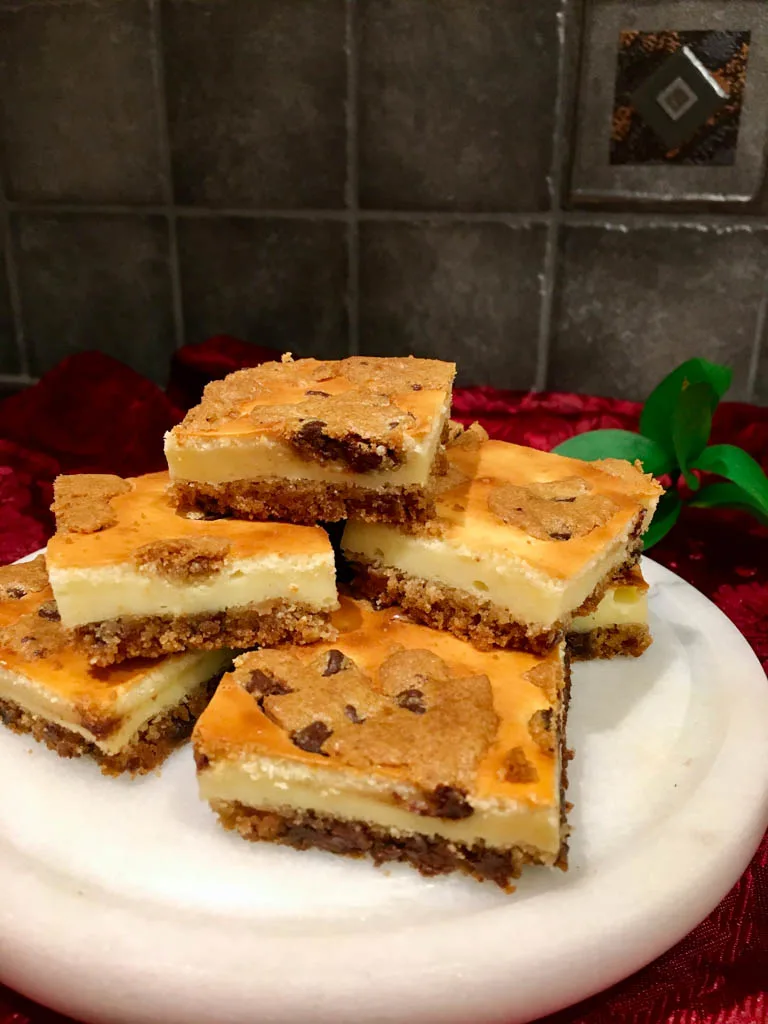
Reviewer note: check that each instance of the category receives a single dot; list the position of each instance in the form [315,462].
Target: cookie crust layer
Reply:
[115,640]
[154,743]
[629,639]
[304,502]
[430,855]
[443,607]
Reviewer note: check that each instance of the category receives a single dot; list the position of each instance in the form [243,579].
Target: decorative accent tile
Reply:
[470,293]
[708,151]
[279,283]
[635,301]
[456,103]
[78,114]
[678,97]
[256,102]
[9,353]
[96,282]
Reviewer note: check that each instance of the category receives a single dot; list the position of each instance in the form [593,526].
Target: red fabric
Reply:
[93,414]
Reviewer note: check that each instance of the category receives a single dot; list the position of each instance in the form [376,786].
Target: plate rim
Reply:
[178,978]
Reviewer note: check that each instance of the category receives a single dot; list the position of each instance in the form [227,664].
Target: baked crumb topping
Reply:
[33,636]
[542,731]
[344,411]
[22,578]
[552,510]
[547,677]
[414,714]
[82,502]
[517,767]
[183,560]
[470,437]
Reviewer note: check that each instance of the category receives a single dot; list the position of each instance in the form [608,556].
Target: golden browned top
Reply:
[397,698]
[143,529]
[361,410]
[33,644]
[555,513]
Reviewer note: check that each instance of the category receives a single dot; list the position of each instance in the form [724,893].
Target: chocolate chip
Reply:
[444,802]
[572,498]
[359,454]
[15,591]
[352,714]
[449,802]
[411,700]
[334,664]
[561,536]
[416,387]
[264,685]
[320,394]
[49,611]
[312,737]
[201,760]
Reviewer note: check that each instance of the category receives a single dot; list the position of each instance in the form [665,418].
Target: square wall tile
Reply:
[96,282]
[636,301]
[279,283]
[79,119]
[9,353]
[456,103]
[469,293]
[761,380]
[256,101]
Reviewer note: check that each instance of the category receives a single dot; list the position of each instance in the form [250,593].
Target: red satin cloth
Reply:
[93,414]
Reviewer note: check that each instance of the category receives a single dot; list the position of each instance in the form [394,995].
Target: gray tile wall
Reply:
[377,176]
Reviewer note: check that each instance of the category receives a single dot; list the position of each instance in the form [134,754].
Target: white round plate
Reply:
[124,902]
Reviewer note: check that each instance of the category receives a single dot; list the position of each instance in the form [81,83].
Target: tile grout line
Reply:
[550,269]
[758,344]
[14,291]
[158,71]
[351,190]
[12,277]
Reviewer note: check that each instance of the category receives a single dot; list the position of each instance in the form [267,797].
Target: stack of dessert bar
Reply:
[416,715]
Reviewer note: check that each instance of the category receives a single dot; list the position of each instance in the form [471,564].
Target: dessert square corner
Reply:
[521,543]
[316,440]
[133,578]
[127,719]
[394,742]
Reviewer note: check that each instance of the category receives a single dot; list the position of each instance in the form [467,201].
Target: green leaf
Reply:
[617,444]
[738,466]
[655,419]
[729,496]
[691,425]
[663,520]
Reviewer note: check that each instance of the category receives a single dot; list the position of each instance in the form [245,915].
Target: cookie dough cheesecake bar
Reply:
[310,440]
[394,742]
[132,578]
[128,718]
[619,624]
[522,543]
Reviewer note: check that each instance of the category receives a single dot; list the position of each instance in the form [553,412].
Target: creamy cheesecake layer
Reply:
[360,421]
[232,457]
[106,592]
[270,784]
[530,596]
[527,531]
[621,606]
[150,693]
[121,549]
